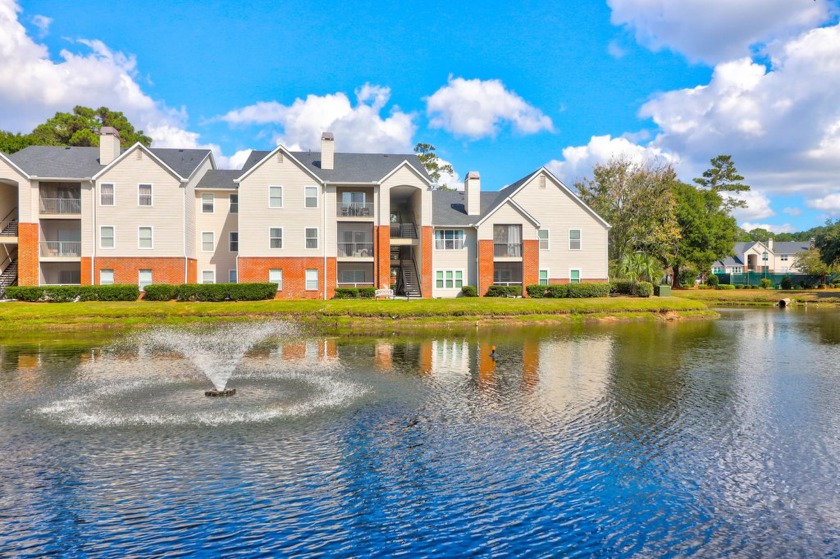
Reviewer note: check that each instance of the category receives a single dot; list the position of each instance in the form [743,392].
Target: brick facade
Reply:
[562,281]
[28,251]
[530,264]
[255,269]
[485,265]
[382,267]
[426,280]
[127,269]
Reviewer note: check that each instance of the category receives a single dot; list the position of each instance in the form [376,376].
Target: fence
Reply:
[754,278]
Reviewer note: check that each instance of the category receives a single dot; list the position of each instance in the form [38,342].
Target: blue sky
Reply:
[497,87]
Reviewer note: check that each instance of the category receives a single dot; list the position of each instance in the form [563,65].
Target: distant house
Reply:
[757,256]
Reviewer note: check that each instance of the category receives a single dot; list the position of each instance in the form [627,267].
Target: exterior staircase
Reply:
[8,277]
[10,229]
[410,284]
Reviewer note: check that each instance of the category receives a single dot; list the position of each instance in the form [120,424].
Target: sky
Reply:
[497,87]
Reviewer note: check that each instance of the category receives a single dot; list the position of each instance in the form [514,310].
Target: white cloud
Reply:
[616,50]
[758,206]
[479,108]
[829,204]
[578,161]
[786,228]
[43,24]
[792,211]
[359,128]
[238,159]
[451,180]
[716,30]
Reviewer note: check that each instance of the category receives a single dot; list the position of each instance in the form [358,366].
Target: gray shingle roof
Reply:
[218,178]
[785,247]
[347,167]
[790,247]
[448,207]
[182,161]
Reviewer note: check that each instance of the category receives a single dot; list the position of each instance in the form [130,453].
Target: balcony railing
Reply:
[507,249]
[354,209]
[355,250]
[507,283]
[61,248]
[63,206]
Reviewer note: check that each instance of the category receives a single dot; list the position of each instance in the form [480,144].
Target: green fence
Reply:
[754,278]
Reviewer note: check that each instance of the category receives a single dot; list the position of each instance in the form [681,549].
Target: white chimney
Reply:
[472,193]
[327,150]
[109,145]
[770,244]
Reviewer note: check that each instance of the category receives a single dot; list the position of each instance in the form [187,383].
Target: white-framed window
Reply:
[449,239]
[575,239]
[107,236]
[275,196]
[106,277]
[310,197]
[144,278]
[231,276]
[544,238]
[208,241]
[234,203]
[449,279]
[233,241]
[311,237]
[106,194]
[144,194]
[543,277]
[276,276]
[717,270]
[207,202]
[311,279]
[208,276]
[574,275]
[275,237]
[737,269]
[145,237]
[784,258]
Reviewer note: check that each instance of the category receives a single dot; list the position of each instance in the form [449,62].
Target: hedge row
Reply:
[503,291]
[568,290]
[621,287]
[355,293]
[469,291]
[211,292]
[69,293]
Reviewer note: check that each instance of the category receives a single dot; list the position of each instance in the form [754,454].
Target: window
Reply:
[507,241]
[275,237]
[543,235]
[144,194]
[543,277]
[208,241]
[106,194]
[784,258]
[311,280]
[717,270]
[574,276]
[144,237]
[233,241]
[449,279]
[275,196]
[106,236]
[234,203]
[311,197]
[276,276]
[352,276]
[207,202]
[208,276]
[144,278]
[737,269]
[574,239]
[106,277]
[232,276]
[311,237]
[449,239]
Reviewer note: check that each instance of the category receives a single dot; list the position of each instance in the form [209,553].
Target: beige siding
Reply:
[190,217]
[558,211]
[165,215]
[405,177]
[11,194]
[221,223]
[507,215]
[464,259]
[87,220]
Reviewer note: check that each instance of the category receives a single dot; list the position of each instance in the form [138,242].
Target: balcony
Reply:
[507,250]
[354,209]
[355,250]
[61,206]
[61,249]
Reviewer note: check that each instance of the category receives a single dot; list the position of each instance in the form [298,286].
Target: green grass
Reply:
[759,297]
[16,316]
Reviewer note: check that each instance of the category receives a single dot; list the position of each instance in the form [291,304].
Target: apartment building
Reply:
[309,221]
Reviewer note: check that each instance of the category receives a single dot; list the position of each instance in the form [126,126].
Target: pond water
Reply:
[705,439]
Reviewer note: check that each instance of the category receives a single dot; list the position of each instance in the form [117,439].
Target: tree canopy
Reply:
[430,160]
[828,242]
[722,176]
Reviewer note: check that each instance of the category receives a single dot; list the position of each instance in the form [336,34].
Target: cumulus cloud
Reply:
[451,180]
[359,128]
[829,204]
[758,205]
[479,108]
[578,161]
[786,228]
[43,24]
[793,211]
[716,30]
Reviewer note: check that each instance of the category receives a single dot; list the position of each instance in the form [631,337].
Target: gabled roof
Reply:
[784,247]
[182,161]
[347,167]
[218,179]
[790,247]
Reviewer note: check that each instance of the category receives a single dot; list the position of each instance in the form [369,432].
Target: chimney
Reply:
[109,145]
[472,193]
[770,244]
[327,150]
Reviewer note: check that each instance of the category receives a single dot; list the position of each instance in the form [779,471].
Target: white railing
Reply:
[507,249]
[355,250]
[355,284]
[354,209]
[507,283]
[61,206]
[61,248]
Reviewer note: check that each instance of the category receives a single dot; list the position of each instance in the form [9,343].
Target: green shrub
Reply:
[766,283]
[469,291]
[725,286]
[712,280]
[214,292]
[821,286]
[69,293]
[586,290]
[25,293]
[644,289]
[557,291]
[739,286]
[367,292]
[786,283]
[503,291]
[688,277]
[621,287]
[753,287]
[536,291]
[346,293]
[160,292]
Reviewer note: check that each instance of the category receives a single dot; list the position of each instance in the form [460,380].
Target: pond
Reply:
[708,439]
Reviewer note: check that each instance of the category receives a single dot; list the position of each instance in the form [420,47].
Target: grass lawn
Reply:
[759,297]
[337,314]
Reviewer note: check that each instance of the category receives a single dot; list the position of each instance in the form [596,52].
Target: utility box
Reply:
[662,290]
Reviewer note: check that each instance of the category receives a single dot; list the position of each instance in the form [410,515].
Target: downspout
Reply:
[324,204]
[93,233]
[184,236]
[477,264]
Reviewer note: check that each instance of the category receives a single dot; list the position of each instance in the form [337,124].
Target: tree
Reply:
[638,202]
[761,234]
[811,262]
[828,242]
[430,160]
[638,266]
[724,177]
[81,128]
[11,142]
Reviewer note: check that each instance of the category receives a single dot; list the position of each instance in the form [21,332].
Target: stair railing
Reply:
[8,219]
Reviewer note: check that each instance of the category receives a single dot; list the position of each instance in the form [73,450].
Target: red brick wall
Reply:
[85,270]
[127,269]
[192,271]
[426,270]
[28,251]
[530,264]
[485,265]
[382,266]
[255,269]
